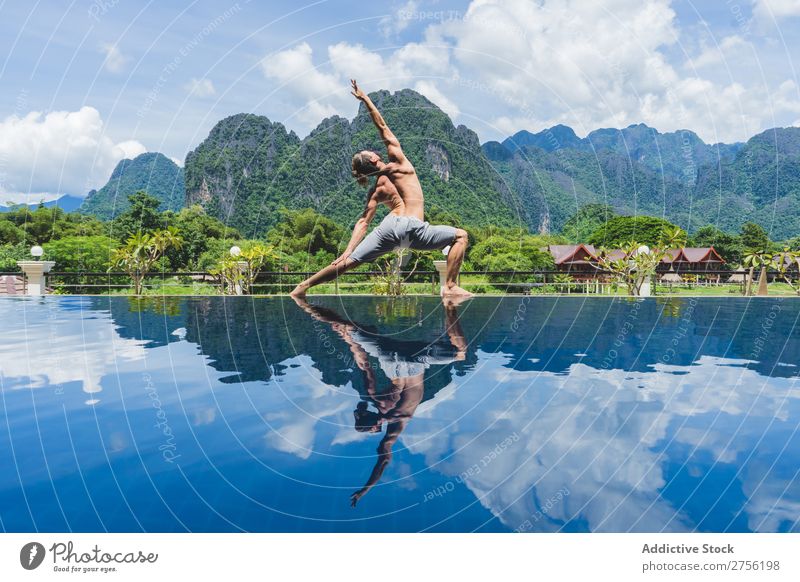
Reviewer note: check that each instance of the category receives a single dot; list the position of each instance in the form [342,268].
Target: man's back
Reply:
[404,179]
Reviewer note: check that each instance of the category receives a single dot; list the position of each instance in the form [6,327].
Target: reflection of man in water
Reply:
[404,363]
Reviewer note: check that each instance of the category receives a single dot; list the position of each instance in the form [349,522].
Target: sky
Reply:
[88,83]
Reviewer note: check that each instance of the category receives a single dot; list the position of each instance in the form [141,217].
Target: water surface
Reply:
[512,414]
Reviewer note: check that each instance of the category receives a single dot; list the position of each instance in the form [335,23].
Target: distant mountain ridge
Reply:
[66,202]
[678,154]
[152,172]
[638,170]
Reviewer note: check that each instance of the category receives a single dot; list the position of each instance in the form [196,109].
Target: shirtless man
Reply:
[398,187]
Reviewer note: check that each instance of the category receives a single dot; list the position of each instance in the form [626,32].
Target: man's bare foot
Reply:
[454,292]
[298,293]
[453,302]
[301,302]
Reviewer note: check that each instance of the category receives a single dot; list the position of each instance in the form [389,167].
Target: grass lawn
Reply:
[480,285]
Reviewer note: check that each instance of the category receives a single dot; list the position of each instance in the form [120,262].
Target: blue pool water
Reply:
[513,414]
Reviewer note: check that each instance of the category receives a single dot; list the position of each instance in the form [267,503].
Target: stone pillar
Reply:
[441,268]
[35,279]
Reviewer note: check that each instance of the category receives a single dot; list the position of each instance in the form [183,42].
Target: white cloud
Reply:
[201,88]
[87,348]
[430,91]
[576,433]
[61,152]
[768,11]
[353,60]
[393,24]
[323,90]
[115,60]
[730,50]
[128,149]
[295,70]
[517,64]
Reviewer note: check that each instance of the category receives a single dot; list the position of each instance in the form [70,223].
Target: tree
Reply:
[10,254]
[142,215]
[307,232]
[510,252]
[10,233]
[81,253]
[590,217]
[754,260]
[785,261]
[647,230]
[197,229]
[240,272]
[45,224]
[754,237]
[634,267]
[141,251]
[729,246]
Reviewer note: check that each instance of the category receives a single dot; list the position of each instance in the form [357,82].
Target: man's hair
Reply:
[363,168]
[366,420]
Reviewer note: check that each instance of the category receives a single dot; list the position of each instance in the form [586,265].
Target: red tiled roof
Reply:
[572,253]
[583,253]
[697,255]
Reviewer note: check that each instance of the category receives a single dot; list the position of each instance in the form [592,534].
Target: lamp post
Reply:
[644,284]
[242,267]
[441,267]
[35,270]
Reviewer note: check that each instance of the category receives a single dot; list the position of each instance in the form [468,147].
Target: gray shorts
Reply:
[402,232]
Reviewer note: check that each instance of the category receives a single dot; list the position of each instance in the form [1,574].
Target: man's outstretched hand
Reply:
[357,93]
[340,259]
[356,497]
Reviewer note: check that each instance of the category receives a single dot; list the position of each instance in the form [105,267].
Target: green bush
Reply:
[80,253]
[10,254]
[645,230]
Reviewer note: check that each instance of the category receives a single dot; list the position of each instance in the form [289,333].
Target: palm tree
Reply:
[784,262]
[141,251]
[754,260]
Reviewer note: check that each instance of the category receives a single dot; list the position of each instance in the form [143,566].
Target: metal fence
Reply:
[272,282]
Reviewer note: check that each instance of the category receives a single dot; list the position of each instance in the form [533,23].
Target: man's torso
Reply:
[401,191]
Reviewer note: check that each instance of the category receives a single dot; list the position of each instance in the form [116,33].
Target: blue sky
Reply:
[88,83]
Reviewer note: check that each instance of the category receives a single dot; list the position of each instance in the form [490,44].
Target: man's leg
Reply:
[454,259]
[323,276]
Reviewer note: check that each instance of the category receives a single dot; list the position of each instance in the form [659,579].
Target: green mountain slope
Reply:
[761,184]
[640,171]
[152,172]
[248,168]
[677,154]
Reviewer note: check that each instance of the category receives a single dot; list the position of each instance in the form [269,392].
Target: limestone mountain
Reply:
[677,154]
[638,170]
[249,167]
[152,172]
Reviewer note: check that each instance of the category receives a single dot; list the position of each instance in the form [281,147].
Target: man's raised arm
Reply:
[389,139]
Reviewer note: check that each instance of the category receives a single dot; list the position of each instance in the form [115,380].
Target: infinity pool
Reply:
[369,414]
